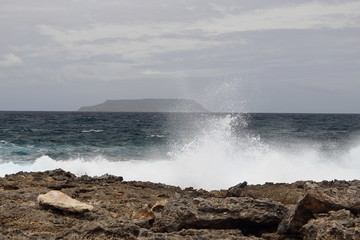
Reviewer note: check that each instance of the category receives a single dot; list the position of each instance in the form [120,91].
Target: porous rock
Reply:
[159,205]
[197,234]
[287,194]
[246,214]
[235,191]
[144,213]
[59,200]
[320,200]
[102,230]
[117,201]
[338,225]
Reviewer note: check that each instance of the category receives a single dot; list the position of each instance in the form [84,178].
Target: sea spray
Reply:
[217,151]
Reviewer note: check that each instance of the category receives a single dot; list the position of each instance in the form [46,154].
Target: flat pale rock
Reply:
[59,200]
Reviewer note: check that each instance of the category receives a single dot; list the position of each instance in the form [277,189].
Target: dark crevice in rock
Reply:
[10,187]
[61,186]
[247,228]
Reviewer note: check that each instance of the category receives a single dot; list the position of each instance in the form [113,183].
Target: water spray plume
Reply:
[221,153]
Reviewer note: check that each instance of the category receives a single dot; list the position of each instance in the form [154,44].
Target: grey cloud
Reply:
[229,55]
[10,60]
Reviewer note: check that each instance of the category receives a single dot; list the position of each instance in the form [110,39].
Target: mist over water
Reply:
[210,151]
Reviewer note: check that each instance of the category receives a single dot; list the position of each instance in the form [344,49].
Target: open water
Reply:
[211,151]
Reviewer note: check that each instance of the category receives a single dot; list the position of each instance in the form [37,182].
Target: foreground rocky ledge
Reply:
[109,208]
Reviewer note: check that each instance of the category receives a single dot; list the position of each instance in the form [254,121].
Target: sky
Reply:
[230,55]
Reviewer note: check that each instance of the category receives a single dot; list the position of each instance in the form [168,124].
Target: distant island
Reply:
[146,105]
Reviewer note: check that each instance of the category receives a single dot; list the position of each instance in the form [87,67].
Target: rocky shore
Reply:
[58,205]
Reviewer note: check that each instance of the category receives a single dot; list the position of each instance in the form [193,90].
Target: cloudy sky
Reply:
[230,55]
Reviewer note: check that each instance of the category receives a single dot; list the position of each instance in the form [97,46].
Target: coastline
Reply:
[145,210]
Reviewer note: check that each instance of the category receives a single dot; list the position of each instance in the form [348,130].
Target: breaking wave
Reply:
[215,158]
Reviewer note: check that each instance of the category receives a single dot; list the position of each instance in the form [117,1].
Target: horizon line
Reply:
[209,112]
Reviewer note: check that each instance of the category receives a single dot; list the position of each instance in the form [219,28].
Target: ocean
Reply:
[210,151]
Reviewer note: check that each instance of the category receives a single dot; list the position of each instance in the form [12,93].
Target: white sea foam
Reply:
[92,130]
[215,159]
[157,136]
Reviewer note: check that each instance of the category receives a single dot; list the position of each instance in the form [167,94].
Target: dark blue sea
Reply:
[211,151]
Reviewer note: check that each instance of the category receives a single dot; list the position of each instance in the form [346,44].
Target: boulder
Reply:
[235,191]
[59,174]
[320,200]
[59,200]
[287,194]
[339,225]
[249,215]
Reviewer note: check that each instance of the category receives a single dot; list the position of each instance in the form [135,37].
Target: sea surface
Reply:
[211,151]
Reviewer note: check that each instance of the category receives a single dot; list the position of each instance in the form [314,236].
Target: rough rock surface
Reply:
[250,215]
[236,190]
[320,199]
[144,210]
[190,234]
[339,225]
[61,201]
[280,192]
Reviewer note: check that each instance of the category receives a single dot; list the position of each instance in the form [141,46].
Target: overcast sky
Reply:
[230,55]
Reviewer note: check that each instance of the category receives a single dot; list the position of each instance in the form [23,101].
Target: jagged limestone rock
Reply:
[249,215]
[339,225]
[320,200]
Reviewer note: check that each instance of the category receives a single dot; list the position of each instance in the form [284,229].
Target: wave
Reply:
[157,136]
[92,130]
[215,158]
